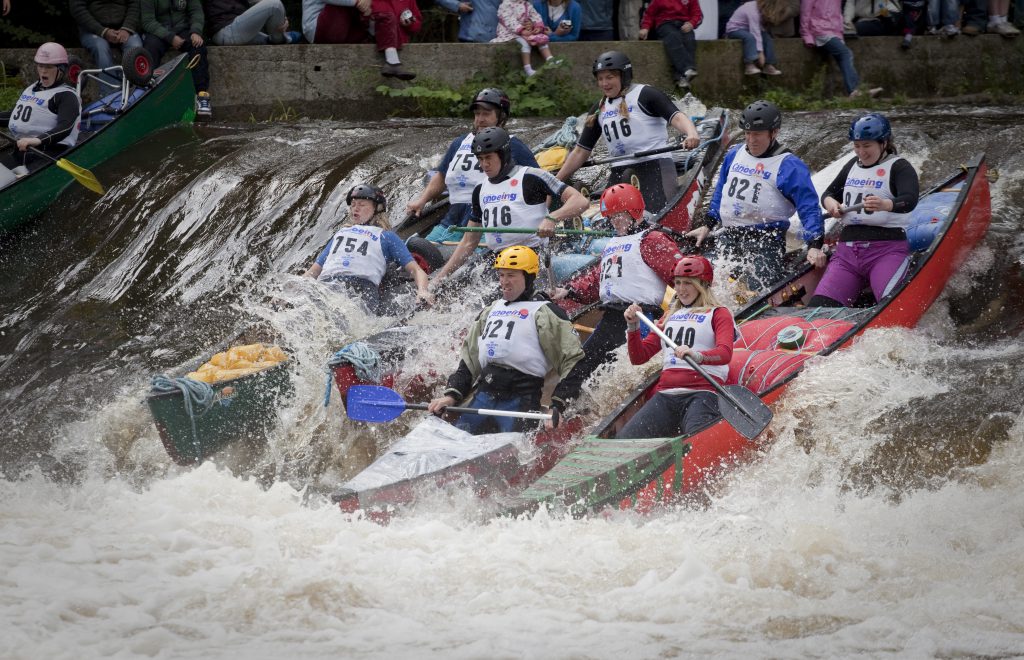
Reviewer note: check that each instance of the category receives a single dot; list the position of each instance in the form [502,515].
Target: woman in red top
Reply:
[683,402]
[674,22]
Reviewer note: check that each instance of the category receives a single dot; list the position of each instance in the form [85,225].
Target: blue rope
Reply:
[563,137]
[194,394]
[359,354]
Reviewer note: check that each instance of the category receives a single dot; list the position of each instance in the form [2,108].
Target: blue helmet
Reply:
[871,126]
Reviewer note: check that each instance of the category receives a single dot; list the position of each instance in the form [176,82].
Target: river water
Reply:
[885,519]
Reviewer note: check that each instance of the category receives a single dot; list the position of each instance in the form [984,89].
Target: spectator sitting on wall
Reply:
[563,18]
[392,21]
[519,21]
[942,17]
[106,24]
[598,23]
[871,18]
[758,47]
[478,19]
[237,23]
[335,21]
[178,24]
[821,26]
[674,22]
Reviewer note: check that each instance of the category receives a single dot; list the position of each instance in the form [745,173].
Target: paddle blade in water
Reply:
[82,175]
[750,417]
[373,403]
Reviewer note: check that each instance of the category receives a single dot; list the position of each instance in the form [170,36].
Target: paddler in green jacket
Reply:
[511,346]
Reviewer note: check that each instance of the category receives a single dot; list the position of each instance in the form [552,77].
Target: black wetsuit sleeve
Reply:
[67,108]
[835,189]
[538,184]
[656,103]
[477,211]
[905,187]
[460,382]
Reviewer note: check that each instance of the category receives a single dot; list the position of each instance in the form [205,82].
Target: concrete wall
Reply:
[340,81]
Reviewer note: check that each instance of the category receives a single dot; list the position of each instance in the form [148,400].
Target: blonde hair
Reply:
[706,298]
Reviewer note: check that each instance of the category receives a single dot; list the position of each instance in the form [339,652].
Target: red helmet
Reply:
[694,265]
[622,197]
[51,53]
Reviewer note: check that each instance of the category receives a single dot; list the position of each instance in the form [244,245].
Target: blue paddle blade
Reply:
[373,403]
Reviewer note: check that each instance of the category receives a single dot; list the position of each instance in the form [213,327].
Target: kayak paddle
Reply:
[743,409]
[81,175]
[374,403]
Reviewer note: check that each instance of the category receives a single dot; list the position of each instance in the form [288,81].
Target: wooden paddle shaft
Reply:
[484,411]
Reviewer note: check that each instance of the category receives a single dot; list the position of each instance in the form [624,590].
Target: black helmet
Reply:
[614,60]
[761,116]
[495,98]
[370,192]
[494,140]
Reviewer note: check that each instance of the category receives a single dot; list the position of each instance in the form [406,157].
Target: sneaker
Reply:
[690,74]
[292,37]
[1005,29]
[751,69]
[971,30]
[933,31]
[875,91]
[906,43]
[683,84]
[203,110]
[771,70]
[855,93]
[950,31]
[396,71]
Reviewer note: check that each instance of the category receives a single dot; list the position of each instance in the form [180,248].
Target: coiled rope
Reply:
[359,354]
[195,395]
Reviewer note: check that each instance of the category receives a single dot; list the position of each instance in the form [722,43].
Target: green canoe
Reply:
[167,99]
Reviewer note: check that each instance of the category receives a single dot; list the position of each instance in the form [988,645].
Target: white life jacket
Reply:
[874,180]
[637,132]
[625,276]
[356,251]
[510,338]
[692,329]
[750,195]
[464,173]
[32,116]
[503,206]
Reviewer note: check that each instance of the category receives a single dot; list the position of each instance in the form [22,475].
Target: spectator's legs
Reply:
[681,47]
[248,27]
[975,17]
[386,32]
[201,72]
[156,47]
[524,56]
[339,25]
[844,58]
[749,45]
[769,48]
[597,35]
[98,47]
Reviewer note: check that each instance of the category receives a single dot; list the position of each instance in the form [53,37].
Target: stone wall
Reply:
[339,81]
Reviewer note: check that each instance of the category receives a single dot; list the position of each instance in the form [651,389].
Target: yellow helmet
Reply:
[518,257]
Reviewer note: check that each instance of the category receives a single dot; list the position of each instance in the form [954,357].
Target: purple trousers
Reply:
[855,264]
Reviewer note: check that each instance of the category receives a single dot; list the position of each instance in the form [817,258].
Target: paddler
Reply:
[46,115]
[359,254]
[511,346]
[460,172]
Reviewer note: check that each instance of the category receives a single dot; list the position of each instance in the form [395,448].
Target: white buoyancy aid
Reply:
[693,329]
[750,195]
[32,116]
[510,338]
[503,206]
[874,180]
[638,131]
[625,276]
[464,173]
[356,251]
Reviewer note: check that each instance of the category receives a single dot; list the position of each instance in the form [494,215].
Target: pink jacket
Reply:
[820,18]
[511,16]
